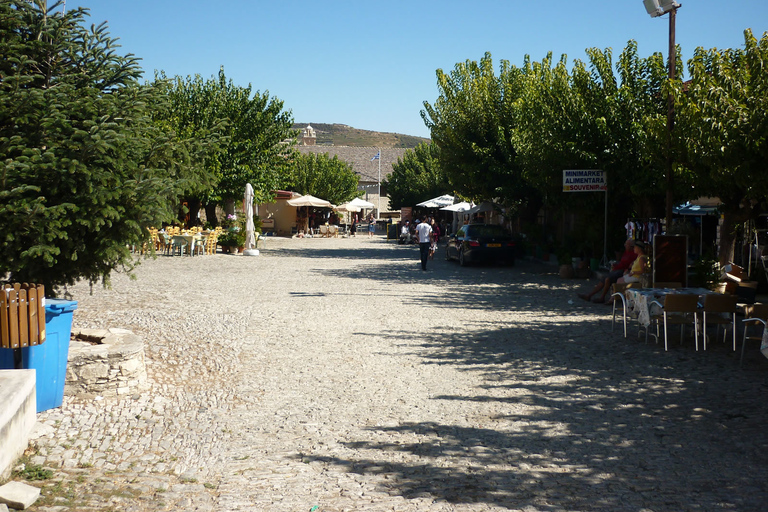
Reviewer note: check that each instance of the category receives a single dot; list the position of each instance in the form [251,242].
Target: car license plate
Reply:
[493,245]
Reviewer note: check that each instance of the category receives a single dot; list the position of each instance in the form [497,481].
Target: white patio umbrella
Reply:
[361,203]
[348,207]
[309,200]
[458,207]
[437,202]
[250,236]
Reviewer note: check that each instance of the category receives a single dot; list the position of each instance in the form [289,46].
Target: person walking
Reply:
[371,226]
[435,239]
[424,234]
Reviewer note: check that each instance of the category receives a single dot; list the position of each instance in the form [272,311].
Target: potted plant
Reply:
[231,240]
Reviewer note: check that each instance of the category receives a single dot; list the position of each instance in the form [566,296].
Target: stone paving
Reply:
[334,373]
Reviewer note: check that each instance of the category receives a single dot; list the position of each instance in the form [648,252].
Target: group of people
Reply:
[630,267]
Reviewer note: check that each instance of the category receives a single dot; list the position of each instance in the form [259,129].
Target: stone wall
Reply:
[105,362]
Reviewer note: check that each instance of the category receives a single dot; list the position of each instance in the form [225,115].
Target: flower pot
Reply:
[566,271]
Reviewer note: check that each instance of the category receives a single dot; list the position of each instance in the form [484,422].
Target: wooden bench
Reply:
[22,315]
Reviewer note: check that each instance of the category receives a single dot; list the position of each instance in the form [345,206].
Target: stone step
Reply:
[17,415]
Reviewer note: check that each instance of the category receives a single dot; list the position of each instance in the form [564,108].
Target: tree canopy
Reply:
[417,177]
[250,128]
[722,130]
[83,168]
[317,174]
[472,123]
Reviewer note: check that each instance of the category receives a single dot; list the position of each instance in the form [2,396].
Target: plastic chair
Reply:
[756,315]
[677,310]
[178,242]
[200,245]
[719,310]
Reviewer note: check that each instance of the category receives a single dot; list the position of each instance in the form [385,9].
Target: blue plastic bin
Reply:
[49,359]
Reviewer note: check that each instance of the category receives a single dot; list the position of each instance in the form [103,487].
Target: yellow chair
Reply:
[211,243]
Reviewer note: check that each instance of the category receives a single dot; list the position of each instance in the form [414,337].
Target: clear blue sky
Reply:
[371,65]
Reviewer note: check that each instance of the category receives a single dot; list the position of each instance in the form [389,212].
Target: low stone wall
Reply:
[105,362]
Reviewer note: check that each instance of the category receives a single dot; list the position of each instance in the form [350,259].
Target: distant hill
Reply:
[343,135]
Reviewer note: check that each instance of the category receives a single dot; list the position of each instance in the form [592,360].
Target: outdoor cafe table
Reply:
[190,239]
[639,300]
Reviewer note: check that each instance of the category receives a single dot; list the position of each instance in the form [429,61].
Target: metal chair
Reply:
[678,310]
[618,291]
[756,315]
[719,310]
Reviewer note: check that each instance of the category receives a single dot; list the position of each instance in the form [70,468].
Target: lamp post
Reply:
[658,8]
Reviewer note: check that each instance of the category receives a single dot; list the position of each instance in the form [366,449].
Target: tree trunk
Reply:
[194,208]
[727,239]
[732,219]
[229,206]
[210,214]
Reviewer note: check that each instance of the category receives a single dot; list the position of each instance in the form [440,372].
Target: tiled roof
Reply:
[360,159]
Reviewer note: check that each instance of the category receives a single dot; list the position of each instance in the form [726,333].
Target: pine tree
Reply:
[83,169]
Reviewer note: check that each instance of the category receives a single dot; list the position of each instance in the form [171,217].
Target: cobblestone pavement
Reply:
[336,374]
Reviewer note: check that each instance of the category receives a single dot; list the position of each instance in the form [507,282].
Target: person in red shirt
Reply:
[617,270]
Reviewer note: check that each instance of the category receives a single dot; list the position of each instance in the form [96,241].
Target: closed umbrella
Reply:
[250,236]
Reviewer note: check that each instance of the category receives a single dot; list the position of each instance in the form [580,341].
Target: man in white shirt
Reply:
[424,232]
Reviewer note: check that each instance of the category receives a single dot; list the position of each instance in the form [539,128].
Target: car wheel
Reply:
[462,259]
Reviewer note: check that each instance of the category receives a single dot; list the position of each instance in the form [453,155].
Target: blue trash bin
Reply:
[49,359]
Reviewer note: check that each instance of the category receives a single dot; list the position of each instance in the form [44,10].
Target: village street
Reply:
[334,375]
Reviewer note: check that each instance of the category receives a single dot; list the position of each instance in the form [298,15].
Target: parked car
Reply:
[481,242]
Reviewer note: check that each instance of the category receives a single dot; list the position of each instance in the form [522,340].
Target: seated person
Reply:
[617,271]
[639,266]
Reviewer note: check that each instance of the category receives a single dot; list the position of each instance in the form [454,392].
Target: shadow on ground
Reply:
[641,429]
[573,417]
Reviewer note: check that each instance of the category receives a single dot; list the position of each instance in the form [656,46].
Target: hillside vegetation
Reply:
[343,135]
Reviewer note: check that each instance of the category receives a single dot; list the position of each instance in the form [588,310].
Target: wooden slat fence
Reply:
[22,315]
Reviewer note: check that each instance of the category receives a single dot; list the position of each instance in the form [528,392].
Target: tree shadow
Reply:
[583,420]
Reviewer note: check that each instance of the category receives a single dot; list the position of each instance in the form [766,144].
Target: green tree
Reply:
[589,118]
[472,123]
[417,177]
[83,169]
[251,128]
[722,126]
[327,178]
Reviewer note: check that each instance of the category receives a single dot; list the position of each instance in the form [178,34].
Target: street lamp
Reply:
[659,8]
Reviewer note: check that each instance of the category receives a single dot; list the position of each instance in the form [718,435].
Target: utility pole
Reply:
[658,8]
